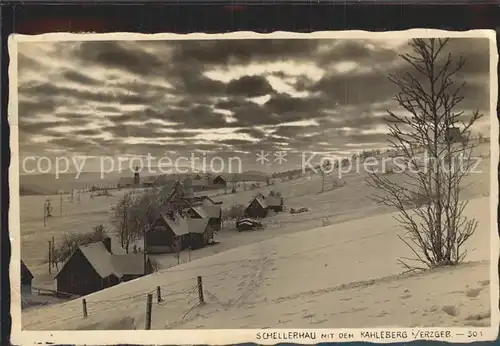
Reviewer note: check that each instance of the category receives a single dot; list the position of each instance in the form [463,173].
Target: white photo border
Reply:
[233,336]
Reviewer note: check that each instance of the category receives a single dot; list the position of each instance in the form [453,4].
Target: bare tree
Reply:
[234,212]
[71,241]
[122,219]
[146,208]
[428,200]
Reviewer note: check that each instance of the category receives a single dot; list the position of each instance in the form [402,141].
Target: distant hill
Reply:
[31,190]
[37,184]
[48,184]
[247,176]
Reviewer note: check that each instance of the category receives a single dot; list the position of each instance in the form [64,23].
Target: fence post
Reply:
[158,293]
[84,304]
[149,303]
[200,290]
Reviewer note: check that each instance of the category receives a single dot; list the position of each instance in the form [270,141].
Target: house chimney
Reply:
[107,243]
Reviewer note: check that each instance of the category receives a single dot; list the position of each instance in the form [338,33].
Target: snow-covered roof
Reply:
[106,264]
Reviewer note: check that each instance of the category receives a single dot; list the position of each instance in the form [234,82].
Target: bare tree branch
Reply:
[428,199]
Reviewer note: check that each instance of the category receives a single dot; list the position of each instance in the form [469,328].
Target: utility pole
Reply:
[45,214]
[145,257]
[50,257]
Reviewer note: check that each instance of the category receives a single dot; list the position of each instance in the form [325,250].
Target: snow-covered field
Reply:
[294,273]
[342,275]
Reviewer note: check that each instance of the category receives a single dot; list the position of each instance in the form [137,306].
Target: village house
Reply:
[26,279]
[174,228]
[200,232]
[219,182]
[94,267]
[257,208]
[274,203]
[211,208]
[200,182]
[212,212]
[149,181]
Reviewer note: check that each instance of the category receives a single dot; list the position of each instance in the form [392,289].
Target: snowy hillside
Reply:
[343,275]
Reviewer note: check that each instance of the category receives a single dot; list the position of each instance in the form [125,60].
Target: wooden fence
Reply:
[157,293]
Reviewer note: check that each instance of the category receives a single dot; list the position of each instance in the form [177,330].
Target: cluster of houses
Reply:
[186,222]
[197,182]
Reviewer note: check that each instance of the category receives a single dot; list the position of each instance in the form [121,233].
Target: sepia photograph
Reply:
[296,182]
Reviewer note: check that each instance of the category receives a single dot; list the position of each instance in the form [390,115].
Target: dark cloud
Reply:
[29,109]
[249,86]
[475,52]
[234,142]
[88,132]
[295,131]
[183,134]
[171,85]
[48,90]
[38,127]
[197,117]
[226,52]
[231,104]
[119,54]
[280,108]
[72,143]
[143,131]
[25,62]
[251,114]
[284,103]
[80,78]
[359,89]
[371,87]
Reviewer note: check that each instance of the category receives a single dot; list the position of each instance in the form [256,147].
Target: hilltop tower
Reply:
[137,179]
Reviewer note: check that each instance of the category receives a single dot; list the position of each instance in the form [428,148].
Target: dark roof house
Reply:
[207,210]
[167,229]
[26,275]
[219,180]
[200,182]
[126,182]
[257,208]
[149,180]
[274,203]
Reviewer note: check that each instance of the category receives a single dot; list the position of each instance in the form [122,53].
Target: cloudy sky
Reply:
[229,97]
